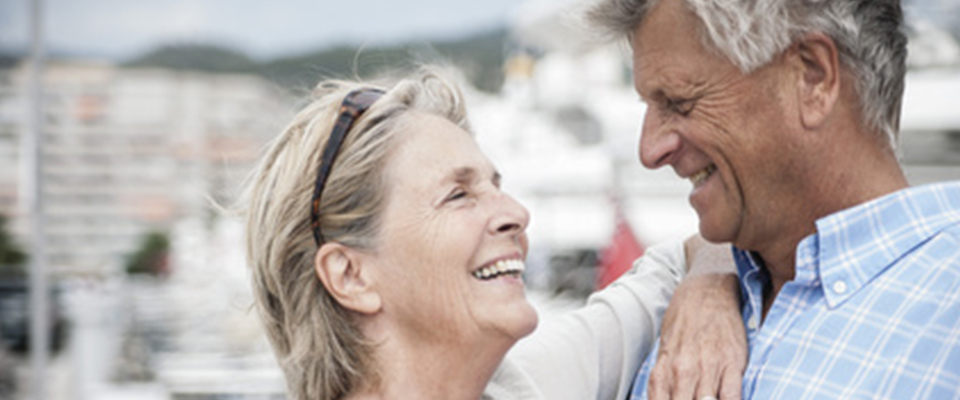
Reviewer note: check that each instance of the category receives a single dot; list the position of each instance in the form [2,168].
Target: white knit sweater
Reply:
[594,352]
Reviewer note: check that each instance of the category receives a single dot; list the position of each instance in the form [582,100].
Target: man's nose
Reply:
[659,145]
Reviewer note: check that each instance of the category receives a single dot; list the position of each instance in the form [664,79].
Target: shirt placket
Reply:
[763,336]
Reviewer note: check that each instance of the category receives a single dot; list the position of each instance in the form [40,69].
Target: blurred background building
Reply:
[144,154]
[133,158]
[131,150]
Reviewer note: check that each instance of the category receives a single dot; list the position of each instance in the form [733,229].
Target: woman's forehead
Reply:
[431,145]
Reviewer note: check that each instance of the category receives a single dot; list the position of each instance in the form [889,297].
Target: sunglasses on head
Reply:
[352,107]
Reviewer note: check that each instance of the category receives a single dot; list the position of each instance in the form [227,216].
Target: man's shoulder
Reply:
[932,264]
[952,231]
[933,215]
[943,246]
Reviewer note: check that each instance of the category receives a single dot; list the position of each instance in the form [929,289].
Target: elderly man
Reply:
[784,116]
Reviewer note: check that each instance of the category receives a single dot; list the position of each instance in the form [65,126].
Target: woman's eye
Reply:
[456,195]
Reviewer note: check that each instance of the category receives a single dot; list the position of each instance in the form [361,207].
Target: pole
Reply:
[39,315]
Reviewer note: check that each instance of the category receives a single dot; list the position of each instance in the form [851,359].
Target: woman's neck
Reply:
[457,371]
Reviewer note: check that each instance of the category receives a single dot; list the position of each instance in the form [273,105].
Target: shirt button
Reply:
[752,323]
[840,287]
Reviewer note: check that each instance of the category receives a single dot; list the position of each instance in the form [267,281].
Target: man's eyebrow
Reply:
[658,95]
[648,93]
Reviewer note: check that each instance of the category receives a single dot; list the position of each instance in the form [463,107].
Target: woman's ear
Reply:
[342,271]
[820,78]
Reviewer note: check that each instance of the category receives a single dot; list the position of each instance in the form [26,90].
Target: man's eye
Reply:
[681,106]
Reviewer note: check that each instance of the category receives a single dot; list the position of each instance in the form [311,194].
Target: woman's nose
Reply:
[512,217]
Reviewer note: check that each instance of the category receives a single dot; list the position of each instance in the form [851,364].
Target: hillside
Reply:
[480,56]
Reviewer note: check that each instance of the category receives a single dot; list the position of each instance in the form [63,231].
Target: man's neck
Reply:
[839,181]
[779,260]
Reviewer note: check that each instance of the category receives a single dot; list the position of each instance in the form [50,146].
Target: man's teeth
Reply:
[701,176]
[499,268]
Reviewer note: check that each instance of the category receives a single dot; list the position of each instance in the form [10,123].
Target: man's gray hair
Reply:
[750,33]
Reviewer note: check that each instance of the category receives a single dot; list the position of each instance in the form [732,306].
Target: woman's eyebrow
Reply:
[464,174]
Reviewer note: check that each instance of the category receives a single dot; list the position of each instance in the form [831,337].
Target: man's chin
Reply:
[715,234]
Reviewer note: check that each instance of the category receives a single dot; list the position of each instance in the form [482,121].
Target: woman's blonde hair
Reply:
[317,342]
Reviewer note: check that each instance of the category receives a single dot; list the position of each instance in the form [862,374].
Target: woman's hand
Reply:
[703,349]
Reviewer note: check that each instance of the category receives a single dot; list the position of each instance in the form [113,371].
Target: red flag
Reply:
[619,255]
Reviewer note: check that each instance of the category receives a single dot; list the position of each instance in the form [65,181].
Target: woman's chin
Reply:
[525,321]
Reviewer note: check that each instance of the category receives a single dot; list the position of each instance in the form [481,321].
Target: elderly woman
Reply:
[387,263]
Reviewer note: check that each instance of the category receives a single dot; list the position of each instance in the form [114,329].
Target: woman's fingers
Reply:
[709,383]
[703,341]
[686,377]
[660,381]
[731,384]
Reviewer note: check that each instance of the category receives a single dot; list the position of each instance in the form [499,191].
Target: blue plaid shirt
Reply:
[874,310]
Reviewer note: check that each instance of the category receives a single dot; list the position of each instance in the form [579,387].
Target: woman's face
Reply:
[445,225]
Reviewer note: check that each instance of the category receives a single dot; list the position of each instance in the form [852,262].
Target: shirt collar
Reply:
[852,246]
[859,243]
[745,261]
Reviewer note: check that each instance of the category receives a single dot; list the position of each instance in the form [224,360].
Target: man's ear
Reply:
[819,78]
[343,273]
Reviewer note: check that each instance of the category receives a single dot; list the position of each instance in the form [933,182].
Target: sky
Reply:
[263,29]
[119,29]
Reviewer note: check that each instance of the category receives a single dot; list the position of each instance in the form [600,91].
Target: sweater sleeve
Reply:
[595,351]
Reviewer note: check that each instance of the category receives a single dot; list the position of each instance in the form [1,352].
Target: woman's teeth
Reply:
[701,176]
[502,267]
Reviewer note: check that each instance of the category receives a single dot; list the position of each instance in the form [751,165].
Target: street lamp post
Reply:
[33,158]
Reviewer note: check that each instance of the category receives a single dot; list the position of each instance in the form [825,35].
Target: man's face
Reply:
[721,129]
